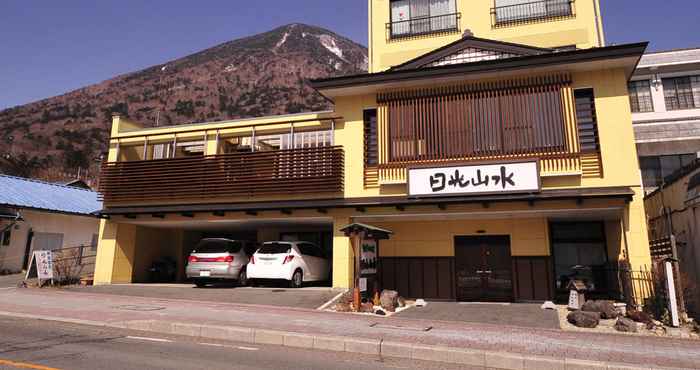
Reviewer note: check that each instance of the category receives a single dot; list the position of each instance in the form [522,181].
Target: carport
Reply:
[158,239]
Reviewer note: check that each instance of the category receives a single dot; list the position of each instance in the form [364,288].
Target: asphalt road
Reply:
[47,345]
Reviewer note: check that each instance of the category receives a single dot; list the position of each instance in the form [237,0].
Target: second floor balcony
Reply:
[508,12]
[424,25]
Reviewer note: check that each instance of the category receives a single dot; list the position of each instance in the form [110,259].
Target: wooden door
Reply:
[483,269]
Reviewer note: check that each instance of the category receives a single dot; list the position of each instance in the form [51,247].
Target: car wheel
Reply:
[200,283]
[242,278]
[297,279]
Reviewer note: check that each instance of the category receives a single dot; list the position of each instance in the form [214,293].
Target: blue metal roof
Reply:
[26,193]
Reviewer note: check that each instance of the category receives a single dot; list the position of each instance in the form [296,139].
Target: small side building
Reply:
[674,209]
[37,215]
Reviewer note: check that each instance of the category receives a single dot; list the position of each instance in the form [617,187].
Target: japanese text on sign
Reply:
[474,179]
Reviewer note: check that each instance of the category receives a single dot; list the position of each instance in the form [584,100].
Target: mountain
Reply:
[264,74]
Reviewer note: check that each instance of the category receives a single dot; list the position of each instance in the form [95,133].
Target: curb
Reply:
[377,347]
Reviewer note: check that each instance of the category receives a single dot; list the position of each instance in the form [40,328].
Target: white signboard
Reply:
[520,177]
[42,263]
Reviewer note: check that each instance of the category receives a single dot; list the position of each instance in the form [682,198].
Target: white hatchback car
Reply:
[296,262]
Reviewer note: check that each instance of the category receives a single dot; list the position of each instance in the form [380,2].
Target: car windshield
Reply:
[275,248]
[217,246]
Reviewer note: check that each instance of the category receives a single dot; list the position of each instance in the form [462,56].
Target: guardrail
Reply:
[424,25]
[535,11]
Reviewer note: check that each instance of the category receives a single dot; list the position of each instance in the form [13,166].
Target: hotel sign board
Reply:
[490,178]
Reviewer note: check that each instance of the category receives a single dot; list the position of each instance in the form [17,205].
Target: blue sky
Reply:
[51,47]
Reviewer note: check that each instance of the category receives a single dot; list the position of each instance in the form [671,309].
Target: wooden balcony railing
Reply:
[282,172]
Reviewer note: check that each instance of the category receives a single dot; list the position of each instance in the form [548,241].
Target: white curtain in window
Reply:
[695,84]
[400,13]
[506,11]
[444,8]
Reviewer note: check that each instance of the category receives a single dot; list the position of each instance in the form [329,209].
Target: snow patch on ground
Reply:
[230,68]
[328,42]
[282,40]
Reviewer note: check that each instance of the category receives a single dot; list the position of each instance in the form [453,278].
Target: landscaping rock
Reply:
[584,319]
[367,307]
[380,313]
[548,305]
[389,300]
[343,307]
[626,325]
[606,309]
[401,302]
[640,316]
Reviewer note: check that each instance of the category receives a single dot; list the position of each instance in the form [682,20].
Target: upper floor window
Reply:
[6,236]
[656,168]
[587,120]
[682,92]
[640,96]
[417,17]
[521,11]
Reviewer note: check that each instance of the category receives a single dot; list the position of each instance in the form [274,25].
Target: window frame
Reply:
[428,18]
[678,96]
[6,237]
[593,122]
[637,102]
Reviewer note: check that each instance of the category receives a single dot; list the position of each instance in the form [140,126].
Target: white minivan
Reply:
[296,262]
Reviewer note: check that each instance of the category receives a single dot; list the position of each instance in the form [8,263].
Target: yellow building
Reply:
[492,138]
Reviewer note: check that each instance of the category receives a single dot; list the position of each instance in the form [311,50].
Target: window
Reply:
[682,92]
[94,242]
[370,130]
[640,96]
[47,241]
[579,253]
[6,236]
[415,17]
[515,11]
[656,168]
[586,120]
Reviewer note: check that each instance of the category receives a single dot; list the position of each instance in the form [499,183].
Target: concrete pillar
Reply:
[115,253]
[342,255]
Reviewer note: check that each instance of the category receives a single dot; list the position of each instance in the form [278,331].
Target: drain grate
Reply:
[131,307]
[278,290]
[401,327]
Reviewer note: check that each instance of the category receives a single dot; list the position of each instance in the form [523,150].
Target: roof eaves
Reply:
[536,60]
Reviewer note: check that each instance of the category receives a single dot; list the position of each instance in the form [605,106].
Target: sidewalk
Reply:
[356,333]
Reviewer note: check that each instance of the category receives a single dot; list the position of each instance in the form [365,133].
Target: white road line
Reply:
[228,346]
[151,339]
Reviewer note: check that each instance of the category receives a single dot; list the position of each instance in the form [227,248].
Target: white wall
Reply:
[76,230]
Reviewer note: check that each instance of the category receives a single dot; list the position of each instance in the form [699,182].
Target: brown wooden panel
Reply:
[534,279]
[504,118]
[295,171]
[419,277]
[416,278]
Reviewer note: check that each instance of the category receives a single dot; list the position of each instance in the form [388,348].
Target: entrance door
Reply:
[483,268]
